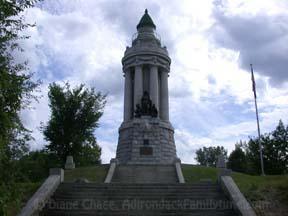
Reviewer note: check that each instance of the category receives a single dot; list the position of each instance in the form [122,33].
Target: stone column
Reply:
[128,95]
[164,112]
[138,85]
[154,86]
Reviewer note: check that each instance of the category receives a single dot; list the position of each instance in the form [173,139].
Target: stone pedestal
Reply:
[221,166]
[146,140]
[69,163]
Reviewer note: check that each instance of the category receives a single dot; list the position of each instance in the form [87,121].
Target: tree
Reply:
[278,152]
[237,159]
[275,151]
[16,88]
[90,155]
[253,156]
[74,117]
[208,156]
[16,82]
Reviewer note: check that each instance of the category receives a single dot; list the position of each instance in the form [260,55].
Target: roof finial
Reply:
[146,21]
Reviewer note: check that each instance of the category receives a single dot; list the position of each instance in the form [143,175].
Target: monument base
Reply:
[146,140]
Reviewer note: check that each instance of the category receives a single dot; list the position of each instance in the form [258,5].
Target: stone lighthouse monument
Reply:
[146,135]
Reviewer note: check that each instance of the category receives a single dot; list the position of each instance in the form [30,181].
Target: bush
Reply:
[35,166]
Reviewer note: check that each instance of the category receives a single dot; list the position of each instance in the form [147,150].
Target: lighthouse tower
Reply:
[146,135]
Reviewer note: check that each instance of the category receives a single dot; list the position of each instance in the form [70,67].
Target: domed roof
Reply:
[146,21]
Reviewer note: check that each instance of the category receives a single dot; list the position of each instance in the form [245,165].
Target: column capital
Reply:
[151,65]
[158,60]
[126,70]
[140,66]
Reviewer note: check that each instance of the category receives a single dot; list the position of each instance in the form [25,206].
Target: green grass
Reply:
[253,187]
[194,173]
[92,174]
[272,190]
[262,187]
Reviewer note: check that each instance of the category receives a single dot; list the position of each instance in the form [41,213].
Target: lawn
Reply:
[268,194]
[194,173]
[92,174]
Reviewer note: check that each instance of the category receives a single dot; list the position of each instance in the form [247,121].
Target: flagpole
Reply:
[257,118]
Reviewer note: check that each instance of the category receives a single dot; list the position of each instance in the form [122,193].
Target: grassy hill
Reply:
[268,194]
[93,173]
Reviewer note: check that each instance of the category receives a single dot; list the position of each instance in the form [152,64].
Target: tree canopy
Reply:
[16,82]
[246,158]
[16,87]
[207,156]
[237,159]
[275,151]
[74,117]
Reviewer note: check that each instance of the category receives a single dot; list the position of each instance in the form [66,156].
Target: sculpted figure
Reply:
[146,104]
[146,108]
[154,112]
[138,111]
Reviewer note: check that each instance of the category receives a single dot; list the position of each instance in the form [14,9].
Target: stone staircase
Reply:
[145,174]
[135,199]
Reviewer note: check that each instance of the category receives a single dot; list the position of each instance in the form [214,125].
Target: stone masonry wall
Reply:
[146,140]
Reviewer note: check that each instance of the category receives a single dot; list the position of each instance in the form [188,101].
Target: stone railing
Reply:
[113,164]
[179,171]
[42,195]
[240,204]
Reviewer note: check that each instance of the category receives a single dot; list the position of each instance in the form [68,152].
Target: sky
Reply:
[211,44]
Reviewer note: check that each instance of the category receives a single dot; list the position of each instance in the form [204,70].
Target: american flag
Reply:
[253,81]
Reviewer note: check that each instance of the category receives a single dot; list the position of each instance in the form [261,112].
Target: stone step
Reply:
[226,212]
[145,174]
[152,189]
[154,185]
[203,198]
[132,193]
[117,194]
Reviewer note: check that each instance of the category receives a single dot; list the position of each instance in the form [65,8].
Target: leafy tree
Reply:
[16,84]
[275,152]
[74,117]
[90,155]
[237,159]
[208,156]
[16,88]
[253,155]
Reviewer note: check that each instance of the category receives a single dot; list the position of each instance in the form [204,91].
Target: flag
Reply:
[253,82]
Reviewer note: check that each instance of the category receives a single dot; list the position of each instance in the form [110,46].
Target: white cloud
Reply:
[211,99]
[33,116]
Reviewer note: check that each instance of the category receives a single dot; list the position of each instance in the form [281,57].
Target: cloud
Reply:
[187,144]
[260,39]
[33,116]
[211,100]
